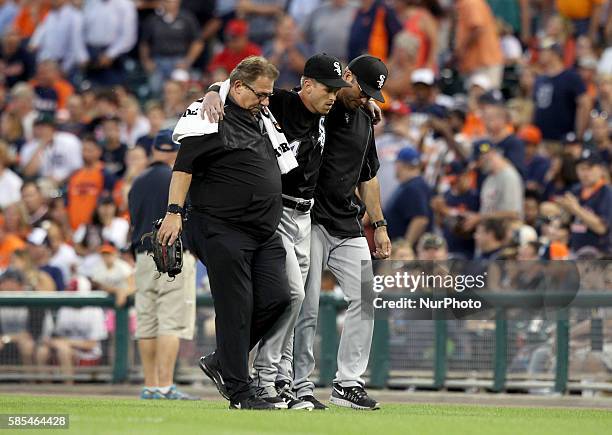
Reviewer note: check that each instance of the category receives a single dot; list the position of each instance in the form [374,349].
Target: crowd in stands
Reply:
[496,138]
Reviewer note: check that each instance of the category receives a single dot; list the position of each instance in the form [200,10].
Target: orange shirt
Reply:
[84,187]
[577,9]
[26,20]
[10,244]
[473,127]
[486,51]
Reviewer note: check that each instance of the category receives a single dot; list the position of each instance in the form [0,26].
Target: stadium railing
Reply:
[384,370]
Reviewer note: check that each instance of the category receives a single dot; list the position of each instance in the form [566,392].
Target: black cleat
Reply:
[317,406]
[210,367]
[253,403]
[352,397]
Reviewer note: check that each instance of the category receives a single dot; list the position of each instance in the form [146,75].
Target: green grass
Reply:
[128,416]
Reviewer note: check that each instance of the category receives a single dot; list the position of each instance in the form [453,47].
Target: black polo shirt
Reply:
[349,158]
[236,179]
[305,132]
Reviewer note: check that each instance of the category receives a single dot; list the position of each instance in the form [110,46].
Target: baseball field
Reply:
[123,416]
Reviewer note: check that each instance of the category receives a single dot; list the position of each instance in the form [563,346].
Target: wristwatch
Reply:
[174,209]
[380,223]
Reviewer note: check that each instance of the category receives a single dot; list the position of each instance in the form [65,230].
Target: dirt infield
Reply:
[385,396]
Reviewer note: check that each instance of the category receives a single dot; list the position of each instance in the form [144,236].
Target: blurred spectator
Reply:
[391,137]
[420,19]
[52,91]
[155,115]
[328,26]
[237,47]
[489,237]
[562,104]
[8,12]
[74,118]
[87,184]
[35,203]
[401,63]
[30,15]
[135,124]
[478,47]
[110,32]
[60,37]
[560,31]
[9,243]
[14,320]
[22,106]
[516,13]
[36,278]
[136,161]
[261,15]
[174,103]
[16,219]
[301,10]
[521,107]
[106,226]
[39,250]
[587,69]
[451,207]
[12,131]
[603,102]
[76,337]
[562,174]
[431,247]
[63,256]
[590,204]
[512,51]
[501,195]
[113,275]
[170,40]
[600,136]
[423,101]
[52,154]
[584,15]
[537,165]
[531,207]
[500,131]
[373,30]
[10,182]
[114,150]
[287,52]
[17,63]
[408,213]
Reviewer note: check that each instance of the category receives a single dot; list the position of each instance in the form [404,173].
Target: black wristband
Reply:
[213,88]
[380,223]
[174,209]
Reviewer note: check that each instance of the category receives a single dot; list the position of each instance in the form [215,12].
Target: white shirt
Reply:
[60,159]
[116,233]
[10,186]
[60,37]
[140,129]
[64,259]
[82,324]
[112,24]
[117,276]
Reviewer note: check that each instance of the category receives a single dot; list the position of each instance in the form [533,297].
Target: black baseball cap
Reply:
[371,75]
[590,157]
[325,69]
[45,117]
[163,142]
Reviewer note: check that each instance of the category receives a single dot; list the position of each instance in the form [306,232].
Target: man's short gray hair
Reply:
[253,67]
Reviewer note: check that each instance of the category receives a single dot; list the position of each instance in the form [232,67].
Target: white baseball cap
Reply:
[481,81]
[423,75]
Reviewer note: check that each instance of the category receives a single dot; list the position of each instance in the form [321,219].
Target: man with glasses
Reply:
[234,183]
[301,115]
[338,241]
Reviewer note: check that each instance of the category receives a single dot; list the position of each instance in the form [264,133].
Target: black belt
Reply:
[302,206]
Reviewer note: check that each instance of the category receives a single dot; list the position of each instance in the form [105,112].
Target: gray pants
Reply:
[274,356]
[344,258]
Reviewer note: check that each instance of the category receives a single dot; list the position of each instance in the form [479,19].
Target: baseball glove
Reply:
[168,258]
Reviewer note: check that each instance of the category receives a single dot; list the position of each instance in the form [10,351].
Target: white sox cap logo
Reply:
[381,81]
[338,69]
